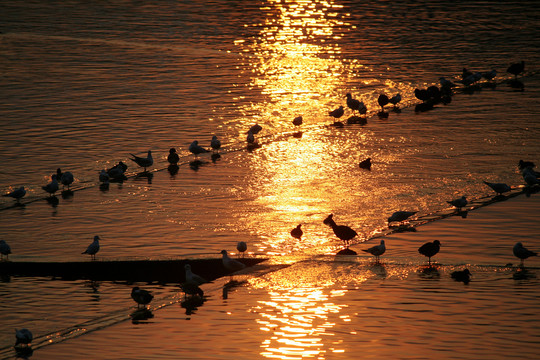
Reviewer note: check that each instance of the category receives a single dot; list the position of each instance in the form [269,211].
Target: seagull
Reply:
[141,296]
[143,162]
[66,179]
[93,248]
[297,121]
[463,276]
[459,203]
[337,113]
[215,144]
[297,232]
[104,176]
[4,250]
[365,164]
[430,249]
[191,277]
[516,68]
[401,216]
[394,100]
[117,171]
[191,288]
[376,250]
[196,149]
[255,129]
[499,188]
[343,232]
[383,101]
[23,336]
[17,194]
[173,157]
[51,187]
[241,246]
[522,253]
[231,265]
[352,104]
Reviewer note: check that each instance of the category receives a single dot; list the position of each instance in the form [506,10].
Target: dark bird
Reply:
[17,194]
[525,164]
[465,73]
[446,84]
[459,203]
[421,94]
[4,250]
[93,248]
[464,276]
[376,250]
[337,113]
[499,188]
[51,187]
[117,172]
[343,232]
[255,129]
[23,336]
[250,138]
[489,75]
[141,296]
[192,289]
[394,100]
[383,101]
[401,216]
[173,157]
[430,249]
[365,164]
[522,253]
[353,104]
[104,177]
[297,232]
[241,246]
[215,144]
[143,162]
[66,178]
[297,121]
[516,68]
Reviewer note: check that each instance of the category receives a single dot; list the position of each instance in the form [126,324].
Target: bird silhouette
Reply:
[499,188]
[93,248]
[430,249]
[141,296]
[143,162]
[516,69]
[376,250]
[365,164]
[522,253]
[337,113]
[5,249]
[345,233]
[297,232]
[464,276]
[173,157]
[241,246]
[399,216]
[459,203]
[191,277]
[51,187]
[17,194]
[215,144]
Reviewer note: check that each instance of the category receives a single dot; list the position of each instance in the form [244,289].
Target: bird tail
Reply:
[487,183]
[84,252]
[365,250]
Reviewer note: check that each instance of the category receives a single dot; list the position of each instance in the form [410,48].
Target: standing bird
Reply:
[499,188]
[376,250]
[104,177]
[192,289]
[17,194]
[250,138]
[241,246]
[525,164]
[173,157]
[231,265]
[215,144]
[193,278]
[141,296]
[255,129]
[401,216]
[353,104]
[489,75]
[430,249]
[522,253]
[4,250]
[365,164]
[337,113]
[66,179]
[23,336]
[394,100]
[143,162]
[516,68]
[93,248]
[297,121]
[343,232]
[383,101]
[196,149]
[117,172]
[297,232]
[51,187]
[464,276]
[459,203]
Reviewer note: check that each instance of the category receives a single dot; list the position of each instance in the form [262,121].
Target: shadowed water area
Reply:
[86,84]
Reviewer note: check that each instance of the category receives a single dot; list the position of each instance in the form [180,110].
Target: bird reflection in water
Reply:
[140,315]
[379,269]
[173,169]
[67,194]
[429,272]
[215,157]
[145,175]
[193,297]
[522,273]
[53,201]
[196,164]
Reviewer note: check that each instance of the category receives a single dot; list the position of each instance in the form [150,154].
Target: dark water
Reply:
[85,84]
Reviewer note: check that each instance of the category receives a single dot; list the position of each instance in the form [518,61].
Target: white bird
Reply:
[66,179]
[231,265]
[522,253]
[241,247]
[395,99]
[376,250]
[459,203]
[93,248]
[255,129]
[401,216]
[499,188]
[4,249]
[196,149]
[193,278]
[23,336]
[250,138]
[215,143]
[297,121]
[104,176]
[337,113]
[17,194]
[143,162]
[51,187]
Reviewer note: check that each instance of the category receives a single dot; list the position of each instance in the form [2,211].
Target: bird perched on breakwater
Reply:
[117,172]
[215,144]
[516,68]
[5,249]
[241,246]
[499,188]
[459,203]
[401,216]
[337,113]
[522,253]
[343,232]
[191,277]
[51,187]
[17,194]
[141,296]
[196,149]
[65,178]
[464,276]
[376,250]
[297,232]
[23,337]
[143,162]
[173,157]
[93,248]
[430,249]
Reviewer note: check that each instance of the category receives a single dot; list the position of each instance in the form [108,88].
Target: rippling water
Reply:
[85,84]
